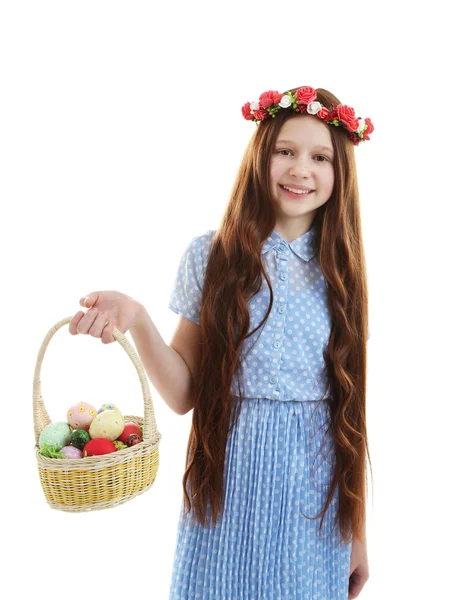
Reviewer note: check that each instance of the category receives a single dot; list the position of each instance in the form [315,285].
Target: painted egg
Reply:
[71,452]
[109,425]
[56,435]
[133,439]
[98,446]
[81,415]
[79,438]
[107,406]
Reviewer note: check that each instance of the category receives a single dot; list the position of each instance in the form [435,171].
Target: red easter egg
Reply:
[130,428]
[133,439]
[98,446]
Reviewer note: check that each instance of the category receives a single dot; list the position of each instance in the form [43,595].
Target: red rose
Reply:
[268,98]
[246,111]
[369,129]
[261,114]
[323,112]
[346,114]
[305,95]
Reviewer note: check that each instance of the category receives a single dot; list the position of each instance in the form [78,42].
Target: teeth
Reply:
[295,191]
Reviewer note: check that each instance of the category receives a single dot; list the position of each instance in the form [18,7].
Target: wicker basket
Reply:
[97,482]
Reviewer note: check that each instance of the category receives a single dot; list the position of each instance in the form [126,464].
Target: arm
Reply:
[166,369]
[359,571]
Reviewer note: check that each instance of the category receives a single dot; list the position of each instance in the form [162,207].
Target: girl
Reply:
[274,486]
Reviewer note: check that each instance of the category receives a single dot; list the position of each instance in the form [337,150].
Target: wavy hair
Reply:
[233,275]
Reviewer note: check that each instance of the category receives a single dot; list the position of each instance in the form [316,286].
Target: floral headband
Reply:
[304,100]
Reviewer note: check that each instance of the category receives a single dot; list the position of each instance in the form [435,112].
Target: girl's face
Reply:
[302,158]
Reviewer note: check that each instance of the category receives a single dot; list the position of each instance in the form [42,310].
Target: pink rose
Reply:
[305,95]
[346,114]
[246,111]
[268,98]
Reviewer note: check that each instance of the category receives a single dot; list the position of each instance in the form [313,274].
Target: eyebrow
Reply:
[328,148]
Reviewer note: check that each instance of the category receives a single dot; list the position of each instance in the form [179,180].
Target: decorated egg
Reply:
[107,406]
[109,424]
[56,435]
[132,439]
[81,415]
[79,438]
[71,452]
[98,446]
[130,428]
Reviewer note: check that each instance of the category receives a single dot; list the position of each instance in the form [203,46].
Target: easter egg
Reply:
[71,452]
[132,440]
[79,438]
[109,424]
[128,430]
[98,446]
[56,435]
[81,415]
[107,406]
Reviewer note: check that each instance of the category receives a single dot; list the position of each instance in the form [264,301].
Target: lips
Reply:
[297,187]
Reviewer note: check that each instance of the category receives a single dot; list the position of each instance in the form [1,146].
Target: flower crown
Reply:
[304,100]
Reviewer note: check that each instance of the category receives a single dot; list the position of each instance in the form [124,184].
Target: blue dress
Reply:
[279,456]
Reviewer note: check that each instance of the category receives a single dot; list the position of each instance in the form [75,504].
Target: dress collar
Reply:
[305,246]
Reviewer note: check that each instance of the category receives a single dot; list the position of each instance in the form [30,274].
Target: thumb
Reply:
[87,301]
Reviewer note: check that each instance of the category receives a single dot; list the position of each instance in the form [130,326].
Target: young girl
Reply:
[275,307]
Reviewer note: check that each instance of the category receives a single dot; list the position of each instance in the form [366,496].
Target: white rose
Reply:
[361,126]
[313,108]
[254,106]
[285,101]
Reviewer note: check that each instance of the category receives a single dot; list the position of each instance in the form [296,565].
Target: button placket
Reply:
[282,269]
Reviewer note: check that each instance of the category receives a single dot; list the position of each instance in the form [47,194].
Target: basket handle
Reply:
[41,417]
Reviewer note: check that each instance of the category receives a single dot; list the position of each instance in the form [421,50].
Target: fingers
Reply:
[92,322]
[107,336]
[75,322]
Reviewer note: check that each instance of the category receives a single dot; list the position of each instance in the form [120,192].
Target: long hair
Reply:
[233,275]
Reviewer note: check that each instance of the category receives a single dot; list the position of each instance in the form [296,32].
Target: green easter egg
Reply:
[79,438]
[56,435]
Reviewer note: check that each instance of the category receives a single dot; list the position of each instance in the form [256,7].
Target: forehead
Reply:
[306,130]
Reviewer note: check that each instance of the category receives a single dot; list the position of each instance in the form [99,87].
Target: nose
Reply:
[301,168]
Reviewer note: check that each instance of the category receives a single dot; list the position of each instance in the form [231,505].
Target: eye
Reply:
[325,159]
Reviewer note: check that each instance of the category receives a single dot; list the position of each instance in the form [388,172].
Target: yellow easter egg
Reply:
[109,424]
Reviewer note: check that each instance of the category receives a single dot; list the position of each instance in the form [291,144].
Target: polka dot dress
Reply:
[280,455]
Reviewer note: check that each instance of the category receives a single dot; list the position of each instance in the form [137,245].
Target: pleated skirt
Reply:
[279,461]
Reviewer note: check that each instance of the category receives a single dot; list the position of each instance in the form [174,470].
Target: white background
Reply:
[121,135]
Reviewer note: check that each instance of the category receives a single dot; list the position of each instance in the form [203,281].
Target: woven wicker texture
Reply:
[98,482]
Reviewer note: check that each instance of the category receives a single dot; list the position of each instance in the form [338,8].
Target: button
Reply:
[273,379]
[281,309]
[283,276]
[277,344]
[283,248]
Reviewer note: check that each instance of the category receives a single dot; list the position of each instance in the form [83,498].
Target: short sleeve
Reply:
[186,296]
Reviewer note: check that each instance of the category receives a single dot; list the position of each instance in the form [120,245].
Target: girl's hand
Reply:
[107,310]
[358,574]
